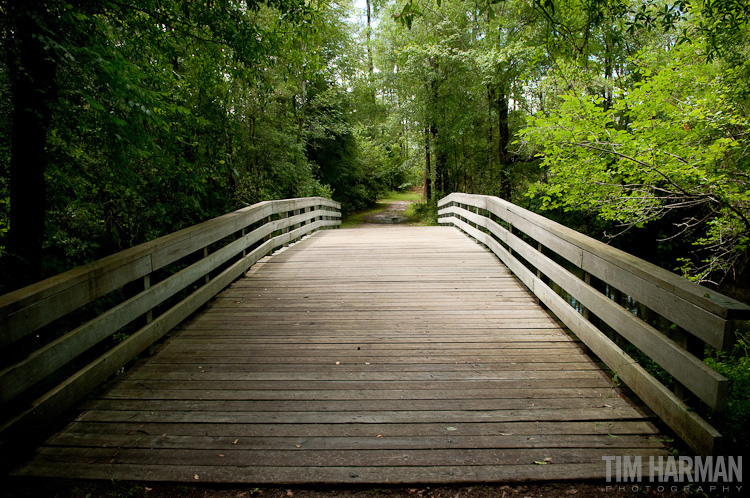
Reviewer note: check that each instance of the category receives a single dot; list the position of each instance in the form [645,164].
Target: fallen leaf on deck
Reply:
[338,363]
[298,445]
[235,441]
[548,460]
[147,489]
[196,477]
[379,435]
[289,492]
[221,455]
[451,429]
[540,463]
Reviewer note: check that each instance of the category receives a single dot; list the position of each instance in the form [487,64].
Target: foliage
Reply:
[675,141]
[735,366]
[169,113]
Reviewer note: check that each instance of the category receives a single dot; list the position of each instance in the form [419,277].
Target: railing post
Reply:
[267,220]
[586,312]
[295,213]
[286,228]
[150,313]
[205,255]
[147,286]
[540,248]
[692,345]
[587,279]
[510,233]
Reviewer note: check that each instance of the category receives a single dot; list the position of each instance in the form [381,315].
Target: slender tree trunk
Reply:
[427,169]
[301,110]
[490,133]
[503,157]
[370,65]
[434,101]
[607,73]
[33,91]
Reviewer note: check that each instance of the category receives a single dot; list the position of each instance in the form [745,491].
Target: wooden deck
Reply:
[370,355]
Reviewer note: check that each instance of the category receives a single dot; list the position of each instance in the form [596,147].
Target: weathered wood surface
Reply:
[377,355]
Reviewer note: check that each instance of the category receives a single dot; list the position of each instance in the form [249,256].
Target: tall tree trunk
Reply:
[503,157]
[427,169]
[33,91]
[490,132]
[434,102]
[301,109]
[370,65]
[607,73]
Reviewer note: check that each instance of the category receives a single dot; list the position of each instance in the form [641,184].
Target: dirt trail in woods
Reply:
[392,211]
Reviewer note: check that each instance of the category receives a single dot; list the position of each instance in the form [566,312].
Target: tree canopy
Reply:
[123,121]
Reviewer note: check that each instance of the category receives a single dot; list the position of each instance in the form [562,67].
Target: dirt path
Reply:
[393,214]
[393,211]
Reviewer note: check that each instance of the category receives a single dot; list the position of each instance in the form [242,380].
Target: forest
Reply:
[123,121]
[627,120]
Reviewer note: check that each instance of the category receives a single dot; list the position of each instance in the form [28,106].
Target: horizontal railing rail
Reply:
[173,275]
[604,295]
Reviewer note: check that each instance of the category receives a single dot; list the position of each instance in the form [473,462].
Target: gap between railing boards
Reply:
[54,333]
[616,304]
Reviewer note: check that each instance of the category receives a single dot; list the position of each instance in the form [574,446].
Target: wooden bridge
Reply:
[368,355]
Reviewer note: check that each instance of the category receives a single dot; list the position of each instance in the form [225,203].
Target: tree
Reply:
[675,142]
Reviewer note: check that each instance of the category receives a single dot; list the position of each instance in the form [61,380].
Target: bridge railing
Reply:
[608,299]
[47,360]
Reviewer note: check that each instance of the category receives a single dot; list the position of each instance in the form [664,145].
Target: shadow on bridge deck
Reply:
[370,355]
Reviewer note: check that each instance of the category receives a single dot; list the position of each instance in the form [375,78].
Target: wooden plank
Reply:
[307,475]
[84,439]
[602,416]
[157,385]
[223,374]
[333,458]
[343,394]
[581,364]
[363,431]
[361,405]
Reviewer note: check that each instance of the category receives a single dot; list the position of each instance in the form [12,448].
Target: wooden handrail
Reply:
[707,315]
[237,240]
